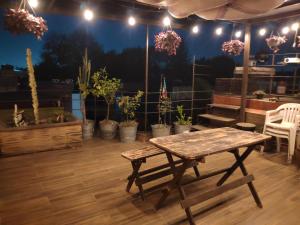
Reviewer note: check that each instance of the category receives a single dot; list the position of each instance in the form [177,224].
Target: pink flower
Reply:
[275,41]
[20,21]
[233,47]
[167,41]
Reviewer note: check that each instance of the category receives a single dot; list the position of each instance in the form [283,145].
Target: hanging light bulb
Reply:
[285,30]
[33,3]
[166,21]
[295,26]
[238,34]
[195,29]
[131,21]
[219,31]
[262,31]
[88,14]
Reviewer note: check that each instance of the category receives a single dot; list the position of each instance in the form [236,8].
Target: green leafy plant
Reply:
[84,82]
[165,106]
[129,105]
[182,119]
[105,87]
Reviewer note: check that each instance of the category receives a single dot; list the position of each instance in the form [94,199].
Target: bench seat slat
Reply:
[141,153]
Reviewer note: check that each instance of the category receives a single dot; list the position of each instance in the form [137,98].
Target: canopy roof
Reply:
[221,9]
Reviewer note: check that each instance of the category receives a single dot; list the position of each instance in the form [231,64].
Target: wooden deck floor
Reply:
[87,186]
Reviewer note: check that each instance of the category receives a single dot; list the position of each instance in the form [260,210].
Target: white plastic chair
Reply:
[284,123]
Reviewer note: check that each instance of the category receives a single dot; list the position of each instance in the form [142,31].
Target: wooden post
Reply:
[146,78]
[246,71]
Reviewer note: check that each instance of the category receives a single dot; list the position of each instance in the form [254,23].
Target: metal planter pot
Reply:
[160,130]
[128,132]
[88,129]
[108,129]
[182,128]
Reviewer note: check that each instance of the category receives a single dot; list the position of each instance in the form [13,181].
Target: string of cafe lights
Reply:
[88,15]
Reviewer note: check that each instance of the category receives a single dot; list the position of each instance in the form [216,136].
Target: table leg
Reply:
[235,165]
[135,167]
[188,211]
[250,184]
[177,176]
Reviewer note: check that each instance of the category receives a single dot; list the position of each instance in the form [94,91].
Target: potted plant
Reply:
[259,94]
[84,88]
[128,106]
[183,122]
[106,87]
[162,129]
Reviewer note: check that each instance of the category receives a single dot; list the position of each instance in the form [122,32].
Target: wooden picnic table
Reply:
[193,146]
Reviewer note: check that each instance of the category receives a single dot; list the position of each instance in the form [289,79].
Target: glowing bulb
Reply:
[238,34]
[166,21]
[195,29]
[262,32]
[285,30]
[295,26]
[33,3]
[131,21]
[88,14]
[219,31]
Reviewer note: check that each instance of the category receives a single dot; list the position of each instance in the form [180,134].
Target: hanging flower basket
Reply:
[275,41]
[233,47]
[167,41]
[20,21]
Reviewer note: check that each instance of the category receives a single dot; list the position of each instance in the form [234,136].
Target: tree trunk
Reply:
[108,111]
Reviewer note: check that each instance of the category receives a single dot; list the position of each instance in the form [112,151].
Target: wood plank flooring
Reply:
[86,186]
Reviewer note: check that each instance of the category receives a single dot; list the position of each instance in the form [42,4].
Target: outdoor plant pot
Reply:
[108,129]
[160,130]
[128,131]
[182,128]
[88,129]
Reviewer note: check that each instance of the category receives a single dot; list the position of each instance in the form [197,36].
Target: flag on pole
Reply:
[163,91]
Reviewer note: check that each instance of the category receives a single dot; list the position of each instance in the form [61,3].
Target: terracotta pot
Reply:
[108,129]
[160,130]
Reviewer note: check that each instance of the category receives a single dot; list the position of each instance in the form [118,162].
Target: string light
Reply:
[166,21]
[285,30]
[262,32]
[131,21]
[195,29]
[295,26]
[219,31]
[33,3]
[238,34]
[88,14]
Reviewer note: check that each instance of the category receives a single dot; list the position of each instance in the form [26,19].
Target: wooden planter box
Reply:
[40,138]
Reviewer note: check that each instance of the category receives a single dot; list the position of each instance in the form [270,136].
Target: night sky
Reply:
[115,35]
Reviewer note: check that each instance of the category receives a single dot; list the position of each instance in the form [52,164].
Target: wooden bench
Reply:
[139,156]
[224,106]
[217,118]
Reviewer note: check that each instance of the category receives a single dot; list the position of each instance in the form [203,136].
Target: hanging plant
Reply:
[21,21]
[275,41]
[233,47]
[167,41]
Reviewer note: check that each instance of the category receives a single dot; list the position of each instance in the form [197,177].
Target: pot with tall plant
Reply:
[164,106]
[128,106]
[84,88]
[183,123]
[162,129]
[106,87]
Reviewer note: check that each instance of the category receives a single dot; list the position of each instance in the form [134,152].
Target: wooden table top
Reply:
[195,145]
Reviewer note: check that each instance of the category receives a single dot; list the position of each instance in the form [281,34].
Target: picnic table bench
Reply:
[139,156]
[192,146]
